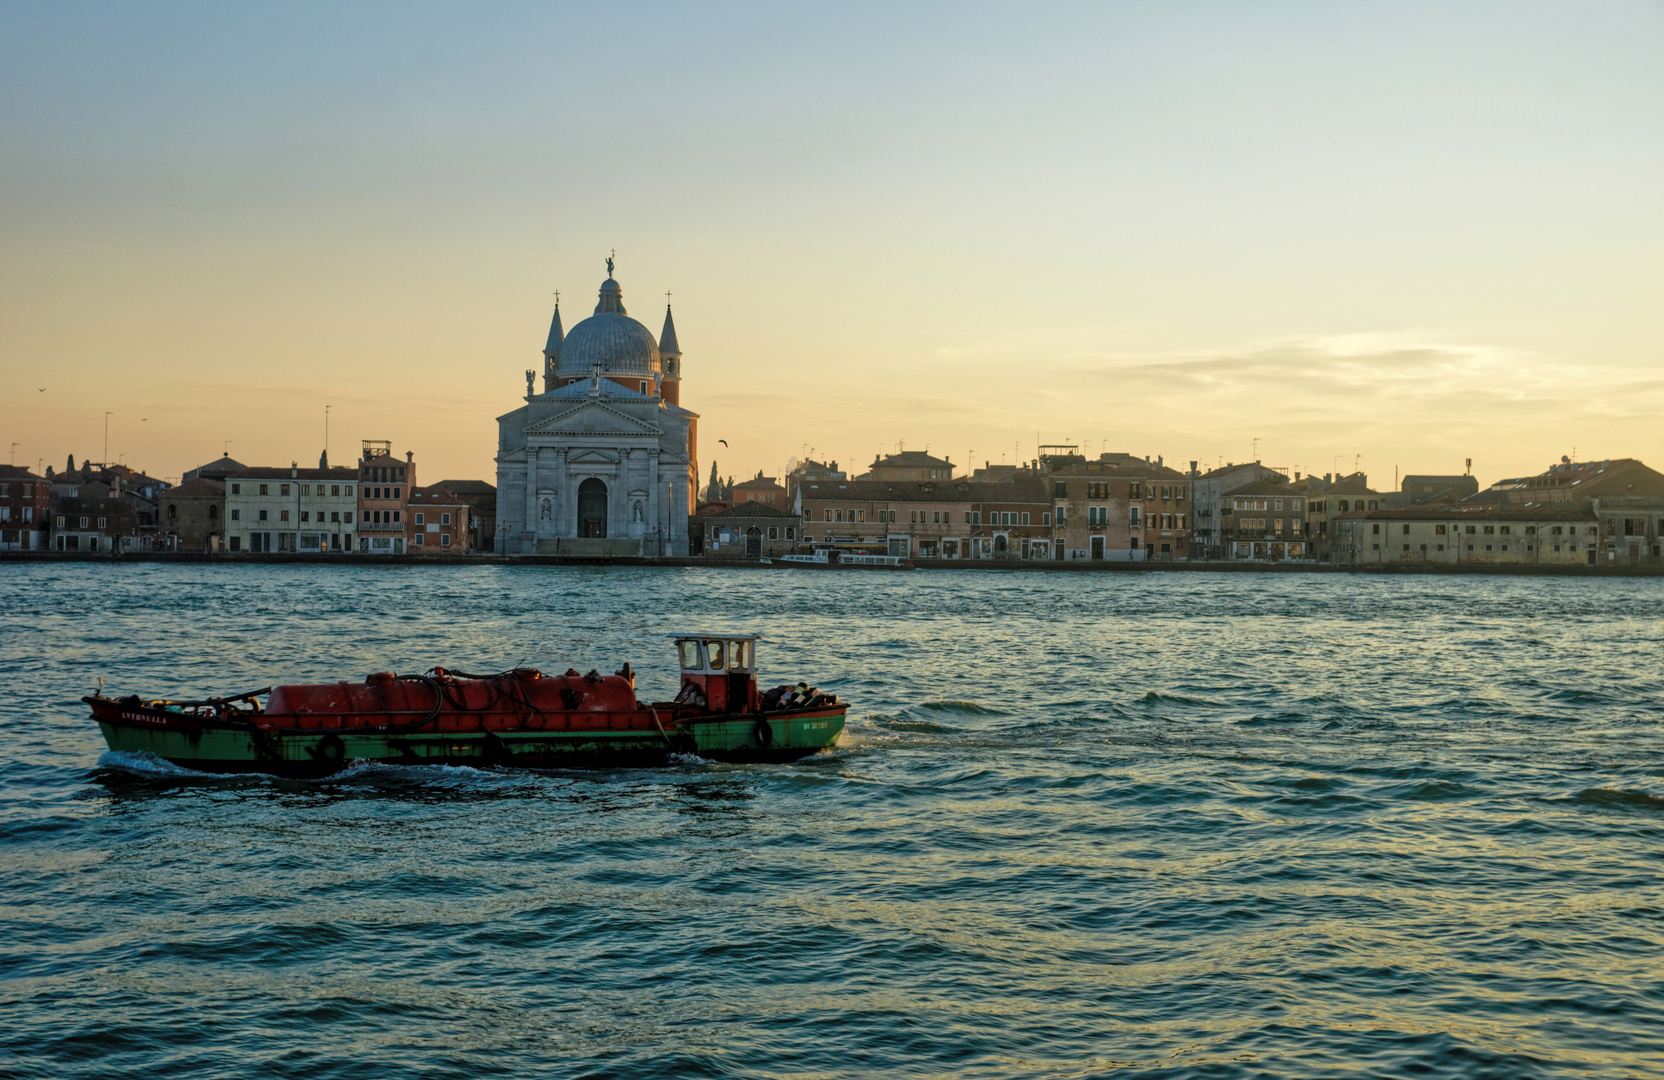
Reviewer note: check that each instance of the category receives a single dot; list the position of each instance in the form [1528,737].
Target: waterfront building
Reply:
[1119,508]
[760,489]
[290,510]
[749,530]
[481,498]
[438,521]
[1264,520]
[193,516]
[1333,497]
[1207,539]
[930,519]
[95,521]
[1632,527]
[25,509]
[384,486]
[603,460]
[1560,533]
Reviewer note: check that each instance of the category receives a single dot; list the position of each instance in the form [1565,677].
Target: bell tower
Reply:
[551,350]
[670,354]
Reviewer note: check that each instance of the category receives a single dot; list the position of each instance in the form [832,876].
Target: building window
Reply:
[236,515]
[445,540]
[444,519]
[791,532]
[1505,530]
[1025,519]
[283,515]
[335,515]
[1439,529]
[1375,528]
[262,515]
[1406,530]
[306,515]
[395,515]
[306,489]
[1045,519]
[419,538]
[421,519]
[101,523]
[366,515]
[774,532]
[263,489]
[236,489]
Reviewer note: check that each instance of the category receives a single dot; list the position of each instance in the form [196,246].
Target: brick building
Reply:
[1326,500]
[193,516]
[384,484]
[438,521]
[749,530]
[25,509]
[954,519]
[1118,508]
[908,465]
[481,498]
[96,523]
[760,489]
[1264,520]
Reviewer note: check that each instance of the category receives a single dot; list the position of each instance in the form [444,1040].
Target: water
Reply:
[1153,825]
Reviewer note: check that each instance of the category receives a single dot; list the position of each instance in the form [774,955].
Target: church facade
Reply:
[603,460]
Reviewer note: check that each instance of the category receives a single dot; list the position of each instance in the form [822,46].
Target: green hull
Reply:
[315,753]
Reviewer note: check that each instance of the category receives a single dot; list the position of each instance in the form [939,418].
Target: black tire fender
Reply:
[330,748]
[763,733]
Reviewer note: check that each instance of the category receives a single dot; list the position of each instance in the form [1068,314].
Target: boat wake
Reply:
[145,764]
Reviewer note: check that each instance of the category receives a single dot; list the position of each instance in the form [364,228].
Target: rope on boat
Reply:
[654,713]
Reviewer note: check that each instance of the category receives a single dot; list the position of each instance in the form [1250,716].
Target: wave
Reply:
[1619,799]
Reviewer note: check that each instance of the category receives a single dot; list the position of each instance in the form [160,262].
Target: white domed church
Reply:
[603,460]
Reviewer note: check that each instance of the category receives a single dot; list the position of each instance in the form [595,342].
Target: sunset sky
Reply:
[1402,235]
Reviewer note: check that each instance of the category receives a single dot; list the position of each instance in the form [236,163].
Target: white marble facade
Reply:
[601,461]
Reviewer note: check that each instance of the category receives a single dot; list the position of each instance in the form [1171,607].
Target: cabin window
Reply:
[690,655]
[717,655]
[739,658]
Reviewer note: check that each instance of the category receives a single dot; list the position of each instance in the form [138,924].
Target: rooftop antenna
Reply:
[226,452]
[15,445]
[1356,458]
[107,415]
[326,432]
[1256,454]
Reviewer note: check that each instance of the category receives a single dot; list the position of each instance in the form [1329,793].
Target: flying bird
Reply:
[43,389]
[724,442]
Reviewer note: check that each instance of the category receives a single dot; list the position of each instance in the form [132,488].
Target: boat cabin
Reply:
[720,668]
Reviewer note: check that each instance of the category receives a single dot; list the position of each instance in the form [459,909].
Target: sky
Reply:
[1392,237]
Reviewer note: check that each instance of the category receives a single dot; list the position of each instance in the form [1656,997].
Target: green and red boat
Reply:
[520,718]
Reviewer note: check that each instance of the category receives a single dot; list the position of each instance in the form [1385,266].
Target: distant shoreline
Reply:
[1076,566]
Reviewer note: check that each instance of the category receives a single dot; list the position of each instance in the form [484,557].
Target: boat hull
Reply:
[212,747]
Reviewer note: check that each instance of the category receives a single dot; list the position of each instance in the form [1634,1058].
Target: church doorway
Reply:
[592,509]
[754,541]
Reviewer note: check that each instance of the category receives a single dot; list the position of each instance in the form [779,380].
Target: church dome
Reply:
[609,338]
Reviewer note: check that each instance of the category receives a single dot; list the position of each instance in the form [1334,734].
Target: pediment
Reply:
[591,456]
[594,418]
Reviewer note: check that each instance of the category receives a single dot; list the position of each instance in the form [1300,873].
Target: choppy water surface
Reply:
[1154,825]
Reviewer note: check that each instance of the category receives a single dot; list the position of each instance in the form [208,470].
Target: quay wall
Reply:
[1078,566]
